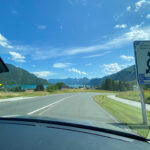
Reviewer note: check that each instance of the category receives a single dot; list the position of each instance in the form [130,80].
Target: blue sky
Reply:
[72,38]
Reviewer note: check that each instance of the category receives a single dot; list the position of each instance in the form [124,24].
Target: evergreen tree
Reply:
[39,87]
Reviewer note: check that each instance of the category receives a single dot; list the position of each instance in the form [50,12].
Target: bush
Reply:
[39,87]
[52,88]
[61,85]
[17,89]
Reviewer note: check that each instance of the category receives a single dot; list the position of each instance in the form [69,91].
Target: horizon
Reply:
[72,38]
[75,77]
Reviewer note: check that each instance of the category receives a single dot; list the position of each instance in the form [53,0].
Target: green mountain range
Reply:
[18,75]
[128,74]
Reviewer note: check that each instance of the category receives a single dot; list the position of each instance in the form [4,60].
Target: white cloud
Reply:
[42,73]
[17,57]
[148,16]
[41,27]
[127,65]
[141,4]
[138,34]
[4,42]
[128,8]
[115,67]
[111,68]
[77,71]
[121,26]
[128,58]
[61,65]
[134,33]
[97,55]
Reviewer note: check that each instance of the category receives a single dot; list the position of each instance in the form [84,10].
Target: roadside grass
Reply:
[134,95]
[4,95]
[85,90]
[126,114]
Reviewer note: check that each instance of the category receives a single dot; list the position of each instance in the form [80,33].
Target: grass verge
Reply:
[134,95]
[129,115]
[4,95]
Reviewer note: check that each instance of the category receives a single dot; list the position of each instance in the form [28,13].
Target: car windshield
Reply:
[73,60]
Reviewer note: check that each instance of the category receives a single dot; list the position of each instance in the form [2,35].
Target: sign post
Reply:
[143,105]
[142,59]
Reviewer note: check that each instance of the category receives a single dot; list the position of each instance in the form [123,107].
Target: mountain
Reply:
[70,81]
[18,75]
[128,74]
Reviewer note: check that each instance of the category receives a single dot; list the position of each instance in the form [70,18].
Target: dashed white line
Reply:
[32,112]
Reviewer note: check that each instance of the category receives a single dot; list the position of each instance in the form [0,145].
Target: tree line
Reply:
[39,87]
[116,85]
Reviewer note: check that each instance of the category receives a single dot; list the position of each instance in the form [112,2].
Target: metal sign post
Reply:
[143,105]
[142,58]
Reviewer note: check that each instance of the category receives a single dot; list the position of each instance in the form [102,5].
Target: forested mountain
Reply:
[18,75]
[128,74]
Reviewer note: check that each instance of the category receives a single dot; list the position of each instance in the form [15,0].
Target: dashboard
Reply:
[31,135]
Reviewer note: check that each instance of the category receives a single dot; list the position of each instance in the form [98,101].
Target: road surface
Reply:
[74,106]
[129,102]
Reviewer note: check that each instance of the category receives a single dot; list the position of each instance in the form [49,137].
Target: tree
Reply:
[116,85]
[61,85]
[39,87]
[121,87]
[107,84]
[52,88]
[17,89]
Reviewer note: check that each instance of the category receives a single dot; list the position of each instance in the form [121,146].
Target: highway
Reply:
[71,106]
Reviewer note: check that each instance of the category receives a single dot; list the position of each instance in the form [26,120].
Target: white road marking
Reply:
[32,112]
[44,111]
[14,99]
[10,116]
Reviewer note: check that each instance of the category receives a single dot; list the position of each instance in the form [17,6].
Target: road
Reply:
[129,102]
[73,106]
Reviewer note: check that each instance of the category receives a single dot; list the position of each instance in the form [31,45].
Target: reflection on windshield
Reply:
[74,60]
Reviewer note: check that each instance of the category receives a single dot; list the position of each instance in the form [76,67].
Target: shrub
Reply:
[17,89]
[52,88]
[39,87]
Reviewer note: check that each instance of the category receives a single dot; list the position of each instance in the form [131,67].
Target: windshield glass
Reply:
[74,60]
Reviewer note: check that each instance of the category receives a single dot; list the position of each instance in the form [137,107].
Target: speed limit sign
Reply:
[142,58]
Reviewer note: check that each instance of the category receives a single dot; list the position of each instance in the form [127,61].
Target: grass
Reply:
[129,115]
[4,95]
[134,95]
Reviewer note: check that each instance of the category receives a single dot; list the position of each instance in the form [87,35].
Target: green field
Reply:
[134,95]
[4,95]
[129,115]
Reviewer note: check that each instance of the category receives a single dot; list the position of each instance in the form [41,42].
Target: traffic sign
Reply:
[142,58]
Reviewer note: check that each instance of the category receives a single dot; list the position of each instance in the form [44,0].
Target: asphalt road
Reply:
[129,102]
[73,106]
